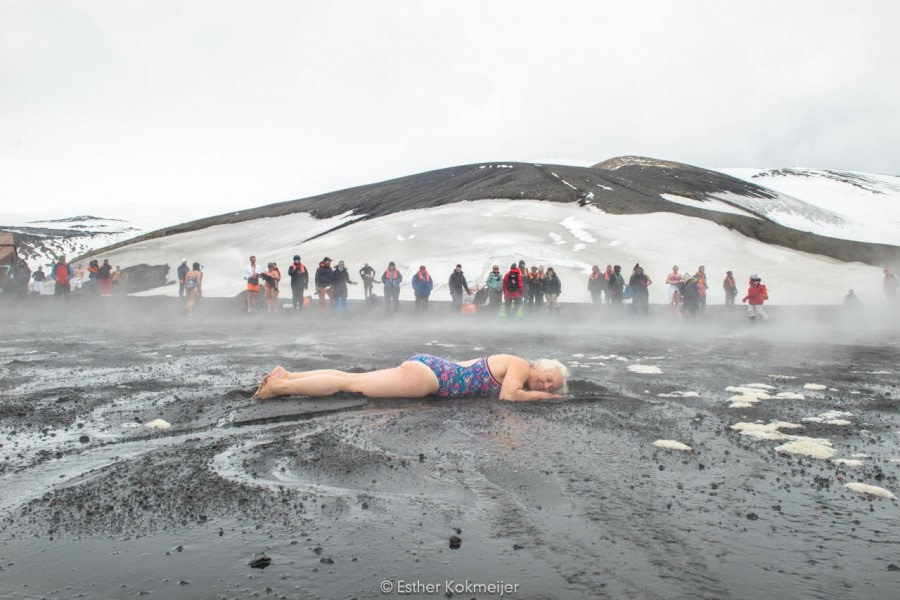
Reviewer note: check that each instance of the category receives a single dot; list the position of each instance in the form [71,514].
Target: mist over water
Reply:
[566,498]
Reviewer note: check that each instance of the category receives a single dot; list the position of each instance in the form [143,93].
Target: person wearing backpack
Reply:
[639,283]
[513,290]
[756,294]
[730,288]
[183,269]
[616,285]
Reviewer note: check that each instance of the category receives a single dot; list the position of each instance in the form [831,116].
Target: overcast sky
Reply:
[217,105]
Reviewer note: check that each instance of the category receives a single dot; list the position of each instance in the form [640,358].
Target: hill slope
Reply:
[625,210]
[621,186]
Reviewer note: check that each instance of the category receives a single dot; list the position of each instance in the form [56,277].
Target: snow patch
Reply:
[870,490]
[714,204]
[578,229]
[645,369]
[770,431]
[672,445]
[808,448]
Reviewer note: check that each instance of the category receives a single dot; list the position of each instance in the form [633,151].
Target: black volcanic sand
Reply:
[565,499]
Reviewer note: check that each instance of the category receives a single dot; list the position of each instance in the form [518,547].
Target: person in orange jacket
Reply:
[756,294]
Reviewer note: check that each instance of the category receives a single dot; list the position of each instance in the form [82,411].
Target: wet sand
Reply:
[564,499]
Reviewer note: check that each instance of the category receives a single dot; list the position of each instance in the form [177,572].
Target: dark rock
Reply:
[260,562]
[84,439]
[752,516]
[455,542]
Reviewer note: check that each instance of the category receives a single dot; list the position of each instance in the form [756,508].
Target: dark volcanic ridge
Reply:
[621,186]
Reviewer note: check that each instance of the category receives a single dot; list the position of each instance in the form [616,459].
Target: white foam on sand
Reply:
[782,377]
[796,444]
[679,395]
[789,396]
[761,386]
[745,401]
[807,447]
[847,462]
[753,392]
[740,404]
[814,386]
[645,369]
[768,431]
[860,455]
[158,424]
[672,445]
[609,357]
[831,417]
[869,490]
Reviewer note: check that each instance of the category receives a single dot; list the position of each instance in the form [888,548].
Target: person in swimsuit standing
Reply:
[510,377]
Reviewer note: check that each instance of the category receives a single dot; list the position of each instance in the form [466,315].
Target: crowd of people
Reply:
[95,280]
[515,292]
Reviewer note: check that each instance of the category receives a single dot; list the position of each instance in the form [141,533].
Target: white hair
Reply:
[551,364]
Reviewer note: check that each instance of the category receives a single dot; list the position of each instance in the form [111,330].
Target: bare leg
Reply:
[409,380]
[282,373]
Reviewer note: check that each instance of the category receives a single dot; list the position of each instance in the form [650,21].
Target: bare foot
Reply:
[278,372]
[259,388]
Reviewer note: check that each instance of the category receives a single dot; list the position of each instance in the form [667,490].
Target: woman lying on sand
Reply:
[512,378]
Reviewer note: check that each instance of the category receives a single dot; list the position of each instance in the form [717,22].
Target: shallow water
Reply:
[565,499]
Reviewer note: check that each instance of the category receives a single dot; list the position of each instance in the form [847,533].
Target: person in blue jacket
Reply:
[422,284]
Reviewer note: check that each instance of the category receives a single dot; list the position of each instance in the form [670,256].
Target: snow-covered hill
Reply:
[41,242]
[569,237]
[862,206]
[622,211]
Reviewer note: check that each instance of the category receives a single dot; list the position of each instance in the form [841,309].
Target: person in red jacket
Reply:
[756,294]
[513,290]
